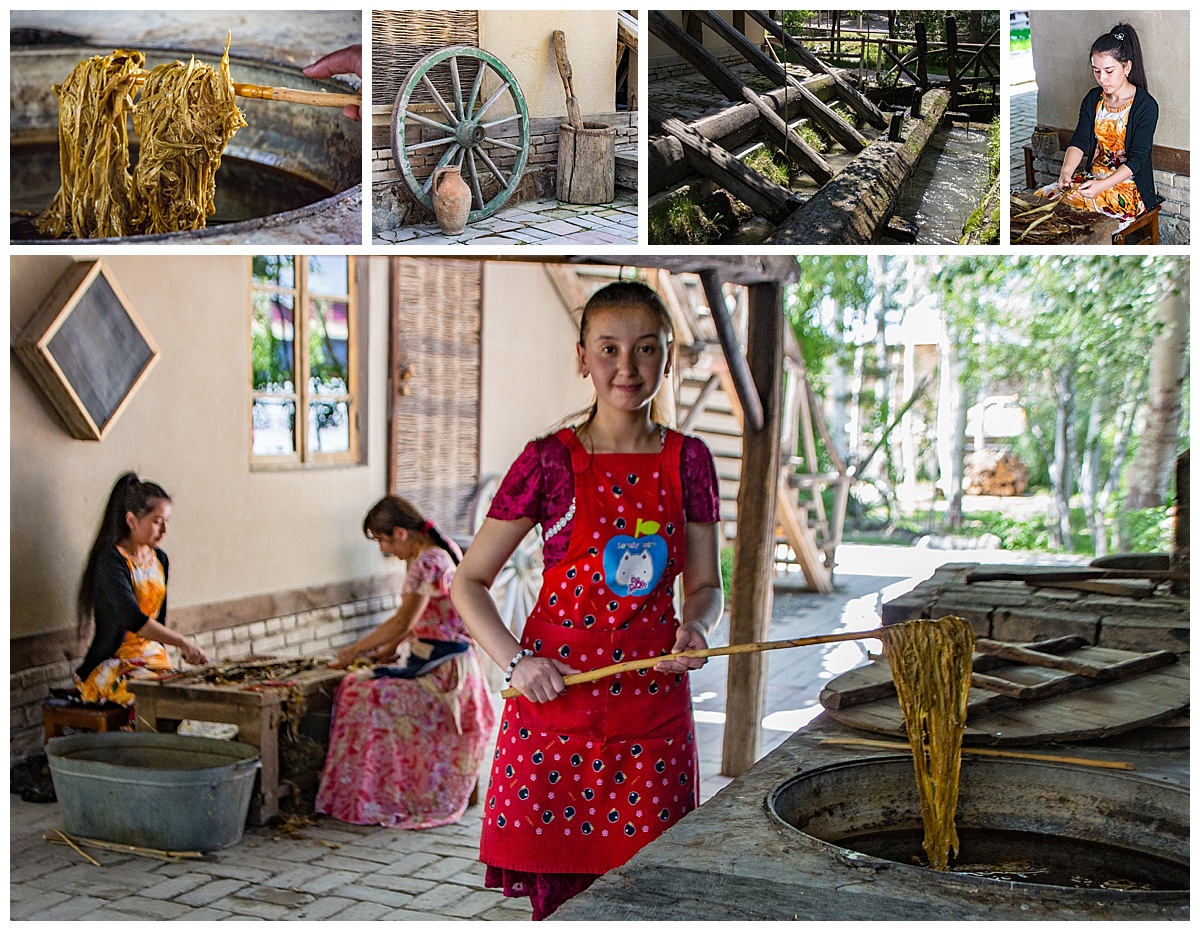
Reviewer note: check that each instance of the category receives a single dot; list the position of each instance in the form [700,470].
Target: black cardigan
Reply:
[117,610]
[1139,139]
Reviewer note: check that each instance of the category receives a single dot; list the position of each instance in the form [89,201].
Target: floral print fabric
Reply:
[137,657]
[1122,200]
[399,755]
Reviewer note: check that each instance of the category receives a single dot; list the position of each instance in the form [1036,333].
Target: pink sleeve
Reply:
[539,484]
[701,489]
[429,574]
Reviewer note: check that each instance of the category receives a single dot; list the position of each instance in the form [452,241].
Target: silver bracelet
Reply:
[513,665]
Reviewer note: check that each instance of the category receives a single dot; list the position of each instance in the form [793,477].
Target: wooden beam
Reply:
[774,128]
[735,269]
[860,104]
[754,550]
[815,109]
[700,403]
[748,392]
[627,29]
[765,197]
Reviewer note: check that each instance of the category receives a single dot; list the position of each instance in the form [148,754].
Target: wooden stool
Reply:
[1148,222]
[58,714]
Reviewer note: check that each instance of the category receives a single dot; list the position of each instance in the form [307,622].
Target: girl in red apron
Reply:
[583,777]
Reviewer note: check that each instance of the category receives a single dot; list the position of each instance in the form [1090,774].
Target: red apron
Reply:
[581,783]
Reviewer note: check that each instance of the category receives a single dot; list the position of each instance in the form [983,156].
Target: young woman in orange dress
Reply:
[584,776]
[124,590]
[1107,166]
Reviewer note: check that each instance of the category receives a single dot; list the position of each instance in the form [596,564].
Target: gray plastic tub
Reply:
[163,791]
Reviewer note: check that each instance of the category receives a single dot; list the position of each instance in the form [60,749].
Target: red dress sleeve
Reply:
[539,485]
[701,488]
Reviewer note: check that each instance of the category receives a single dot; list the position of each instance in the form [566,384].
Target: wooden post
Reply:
[754,551]
[951,65]
[922,56]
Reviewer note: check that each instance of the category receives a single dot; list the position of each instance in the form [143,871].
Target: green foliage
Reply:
[1018,40]
[727,571]
[769,163]
[681,222]
[814,136]
[1148,530]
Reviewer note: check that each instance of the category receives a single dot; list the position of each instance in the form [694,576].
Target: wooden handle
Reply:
[981,751]
[292,95]
[630,665]
[289,95]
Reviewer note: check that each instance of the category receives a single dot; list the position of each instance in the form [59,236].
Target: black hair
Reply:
[625,294]
[130,495]
[391,512]
[1121,42]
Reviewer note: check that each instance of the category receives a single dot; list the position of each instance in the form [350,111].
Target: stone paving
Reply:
[1022,112]
[534,223]
[345,872]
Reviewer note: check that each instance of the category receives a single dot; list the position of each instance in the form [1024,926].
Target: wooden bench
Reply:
[60,713]
[1146,224]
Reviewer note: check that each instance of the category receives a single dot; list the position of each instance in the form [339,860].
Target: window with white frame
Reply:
[304,348]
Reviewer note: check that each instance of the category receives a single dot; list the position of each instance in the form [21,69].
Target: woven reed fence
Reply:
[401,38]
[436,320]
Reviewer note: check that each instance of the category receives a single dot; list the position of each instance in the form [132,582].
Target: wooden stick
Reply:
[168,855]
[981,751]
[290,95]
[559,40]
[74,846]
[630,665]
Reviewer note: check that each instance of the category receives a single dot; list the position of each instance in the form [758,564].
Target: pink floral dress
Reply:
[406,753]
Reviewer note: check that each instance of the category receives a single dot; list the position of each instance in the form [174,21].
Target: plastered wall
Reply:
[1061,41]
[234,532]
[521,39]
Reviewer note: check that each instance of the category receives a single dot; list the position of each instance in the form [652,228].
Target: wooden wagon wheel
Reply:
[520,579]
[430,131]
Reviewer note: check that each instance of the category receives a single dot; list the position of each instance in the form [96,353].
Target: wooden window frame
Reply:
[302,457]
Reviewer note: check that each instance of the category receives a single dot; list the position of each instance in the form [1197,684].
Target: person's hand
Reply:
[689,636]
[345,656]
[193,654]
[539,678]
[1092,188]
[346,60]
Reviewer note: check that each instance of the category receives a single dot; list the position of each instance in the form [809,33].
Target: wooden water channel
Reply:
[877,171]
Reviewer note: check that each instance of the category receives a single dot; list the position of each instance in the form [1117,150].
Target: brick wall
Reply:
[314,632]
[393,205]
[673,66]
[1174,217]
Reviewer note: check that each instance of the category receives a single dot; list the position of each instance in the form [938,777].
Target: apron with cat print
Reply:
[581,783]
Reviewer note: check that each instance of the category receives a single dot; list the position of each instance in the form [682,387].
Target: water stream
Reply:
[946,185]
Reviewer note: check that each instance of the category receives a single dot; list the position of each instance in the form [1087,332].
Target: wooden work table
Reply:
[256,709]
[1097,230]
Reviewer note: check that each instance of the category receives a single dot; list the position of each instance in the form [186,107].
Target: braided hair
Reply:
[130,495]
[392,512]
[1121,42]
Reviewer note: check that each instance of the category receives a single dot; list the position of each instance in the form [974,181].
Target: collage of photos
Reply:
[605,464]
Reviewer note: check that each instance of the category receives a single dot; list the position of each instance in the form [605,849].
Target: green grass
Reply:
[1018,40]
[679,221]
[769,163]
[814,136]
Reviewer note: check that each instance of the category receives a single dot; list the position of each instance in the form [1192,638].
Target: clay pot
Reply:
[451,199]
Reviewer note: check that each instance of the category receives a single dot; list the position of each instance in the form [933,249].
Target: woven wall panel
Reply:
[436,319]
[401,38]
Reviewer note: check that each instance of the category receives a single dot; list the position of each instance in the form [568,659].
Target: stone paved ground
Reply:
[539,222]
[344,872]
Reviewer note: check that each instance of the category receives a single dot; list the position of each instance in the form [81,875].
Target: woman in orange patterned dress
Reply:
[1115,131]
[124,589]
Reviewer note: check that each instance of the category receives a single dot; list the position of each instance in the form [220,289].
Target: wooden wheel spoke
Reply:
[493,168]
[457,85]
[501,121]
[500,91]
[426,121]
[475,88]
[439,100]
[505,145]
[429,144]
[442,163]
[474,175]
